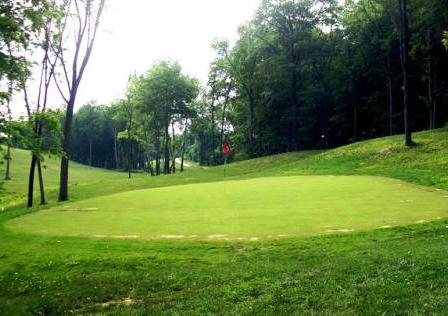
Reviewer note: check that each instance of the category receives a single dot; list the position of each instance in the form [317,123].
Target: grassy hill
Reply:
[16,188]
[398,270]
[423,164]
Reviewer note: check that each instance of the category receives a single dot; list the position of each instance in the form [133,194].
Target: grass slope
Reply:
[402,270]
[16,189]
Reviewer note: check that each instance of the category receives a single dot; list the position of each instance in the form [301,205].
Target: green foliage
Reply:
[315,74]
[445,39]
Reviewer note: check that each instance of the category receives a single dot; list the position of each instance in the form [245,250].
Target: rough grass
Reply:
[402,270]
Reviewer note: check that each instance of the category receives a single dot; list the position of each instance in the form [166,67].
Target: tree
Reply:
[51,22]
[404,56]
[85,17]
[165,93]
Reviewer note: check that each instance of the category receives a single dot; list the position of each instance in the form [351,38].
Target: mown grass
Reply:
[402,270]
[261,208]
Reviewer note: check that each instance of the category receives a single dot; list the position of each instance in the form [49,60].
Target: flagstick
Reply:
[225,162]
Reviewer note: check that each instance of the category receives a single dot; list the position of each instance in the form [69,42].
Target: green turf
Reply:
[400,270]
[251,209]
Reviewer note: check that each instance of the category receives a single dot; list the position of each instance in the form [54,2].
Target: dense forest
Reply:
[308,74]
[302,75]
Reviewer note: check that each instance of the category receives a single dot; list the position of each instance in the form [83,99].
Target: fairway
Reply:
[252,209]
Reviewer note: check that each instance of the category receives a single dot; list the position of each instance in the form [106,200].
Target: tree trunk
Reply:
[129,158]
[391,106]
[355,121]
[212,133]
[166,150]
[355,111]
[63,181]
[173,149]
[157,147]
[117,166]
[250,122]
[8,159]
[183,150]
[391,97]
[41,183]
[151,168]
[31,181]
[90,152]
[404,43]
[223,119]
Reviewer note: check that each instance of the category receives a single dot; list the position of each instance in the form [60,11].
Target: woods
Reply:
[305,75]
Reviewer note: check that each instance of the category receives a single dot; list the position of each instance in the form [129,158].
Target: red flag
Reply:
[226,149]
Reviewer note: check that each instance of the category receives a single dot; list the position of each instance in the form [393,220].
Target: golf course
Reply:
[224,157]
[360,229]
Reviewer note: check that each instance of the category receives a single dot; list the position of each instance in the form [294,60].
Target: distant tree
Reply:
[165,94]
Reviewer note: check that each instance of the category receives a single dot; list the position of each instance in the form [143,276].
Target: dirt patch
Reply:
[253,238]
[126,302]
[386,226]
[420,221]
[386,151]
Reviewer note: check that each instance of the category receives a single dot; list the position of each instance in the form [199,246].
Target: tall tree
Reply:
[85,17]
[404,57]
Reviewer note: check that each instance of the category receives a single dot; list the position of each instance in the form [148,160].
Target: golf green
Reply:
[252,209]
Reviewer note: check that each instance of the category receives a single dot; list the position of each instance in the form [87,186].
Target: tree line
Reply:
[308,75]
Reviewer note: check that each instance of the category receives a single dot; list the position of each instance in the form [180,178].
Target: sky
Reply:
[136,33]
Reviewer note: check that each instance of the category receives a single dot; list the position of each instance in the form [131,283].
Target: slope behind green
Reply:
[426,163]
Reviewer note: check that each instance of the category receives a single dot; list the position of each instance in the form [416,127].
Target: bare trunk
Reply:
[391,97]
[157,145]
[63,183]
[8,159]
[173,149]
[355,111]
[31,181]
[129,158]
[90,152]
[166,150]
[404,43]
[251,122]
[150,166]
[212,133]
[355,121]
[183,151]
[117,166]
[41,183]
[223,119]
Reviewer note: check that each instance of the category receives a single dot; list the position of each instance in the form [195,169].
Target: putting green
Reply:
[246,209]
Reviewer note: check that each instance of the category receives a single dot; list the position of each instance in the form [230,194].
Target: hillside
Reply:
[17,187]
[423,164]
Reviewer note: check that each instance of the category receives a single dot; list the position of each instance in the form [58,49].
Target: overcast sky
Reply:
[135,33]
